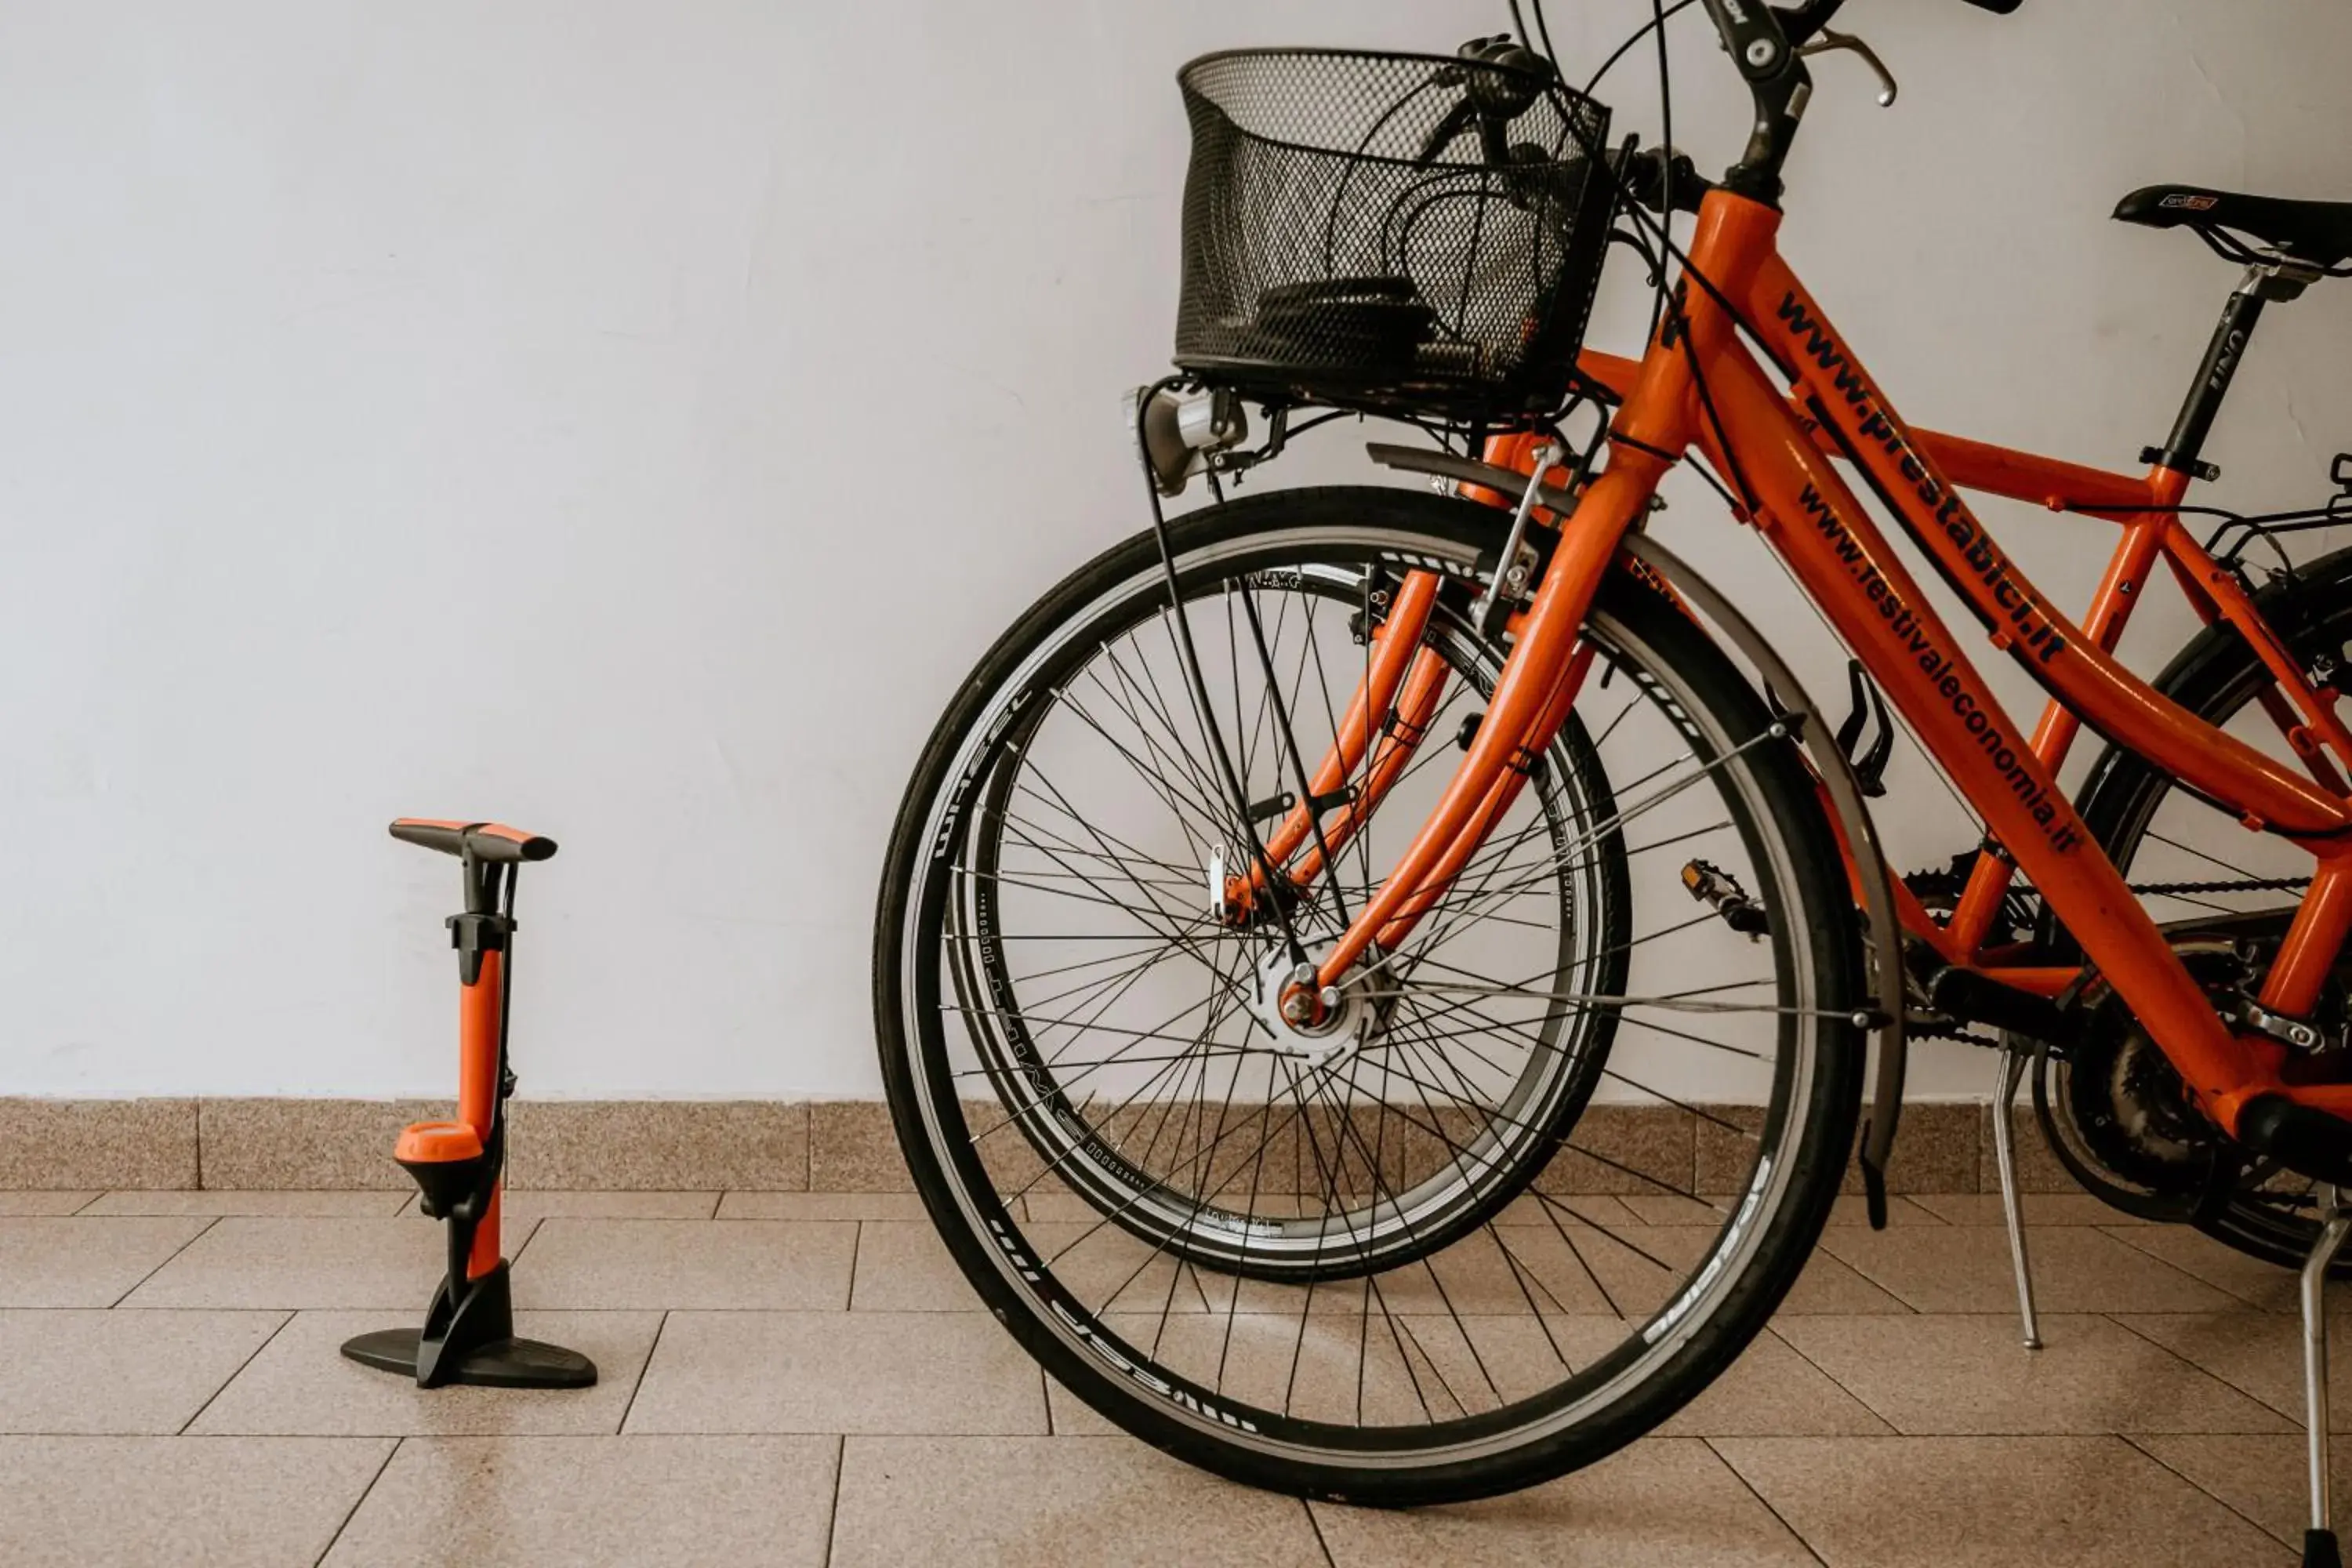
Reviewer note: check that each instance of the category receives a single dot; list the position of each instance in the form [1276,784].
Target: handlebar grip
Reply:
[491,841]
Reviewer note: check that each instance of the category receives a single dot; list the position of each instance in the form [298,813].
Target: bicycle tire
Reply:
[1802,1132]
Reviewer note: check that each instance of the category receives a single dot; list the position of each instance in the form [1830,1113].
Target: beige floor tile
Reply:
[1957,1502]
[1966,1269]
[2259,1353]
[249,1261]
[838,1372]
[520,1209]
[2261,1478]
[1405,1370]
[2268,1286]
[1772,1391]
[301,1386]
[1571,1208]
[98,1372]
[821,1206]
[1046,1502]
[2041,1208]
[904,1266]
[597,1503]
[207,1202]
[1826,1284]
[1954,1375]
[1663,1501]
[127,1502]
[74,1262]
[34,1201]
[1050,1200]
[1664,1208]
[1504,1270]
[654,1264]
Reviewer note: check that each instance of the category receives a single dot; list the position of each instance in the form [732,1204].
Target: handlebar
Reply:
[487,841]
[1766,43]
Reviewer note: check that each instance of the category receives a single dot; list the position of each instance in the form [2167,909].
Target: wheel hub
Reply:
[1315,1025]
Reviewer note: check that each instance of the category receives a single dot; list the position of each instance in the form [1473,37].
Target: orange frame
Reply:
[1700,386]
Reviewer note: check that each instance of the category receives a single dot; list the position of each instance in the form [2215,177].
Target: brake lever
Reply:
[1828,40]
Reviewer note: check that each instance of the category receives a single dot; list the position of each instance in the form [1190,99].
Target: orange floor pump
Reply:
[468,1334]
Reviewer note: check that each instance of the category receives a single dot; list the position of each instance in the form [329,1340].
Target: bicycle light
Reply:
[1179,430]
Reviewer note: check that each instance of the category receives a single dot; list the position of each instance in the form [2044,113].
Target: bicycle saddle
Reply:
[2317,232]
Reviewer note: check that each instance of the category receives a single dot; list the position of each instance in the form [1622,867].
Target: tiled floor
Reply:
[804,1378]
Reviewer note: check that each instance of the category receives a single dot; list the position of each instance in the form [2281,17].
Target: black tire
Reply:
[2215,675]
[1801,1136]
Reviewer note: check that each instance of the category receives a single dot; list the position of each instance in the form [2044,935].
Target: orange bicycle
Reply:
[1300,920]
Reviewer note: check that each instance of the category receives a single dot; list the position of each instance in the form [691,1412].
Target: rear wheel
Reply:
[2201,869]
[1376,1264]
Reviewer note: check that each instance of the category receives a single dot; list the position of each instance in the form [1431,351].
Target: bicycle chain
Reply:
[2237,885]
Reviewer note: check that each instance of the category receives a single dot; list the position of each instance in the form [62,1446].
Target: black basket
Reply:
[1327,260]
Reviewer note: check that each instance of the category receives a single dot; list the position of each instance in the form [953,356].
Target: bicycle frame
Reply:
[1700,386]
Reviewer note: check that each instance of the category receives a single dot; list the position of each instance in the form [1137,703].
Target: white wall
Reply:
[631,420]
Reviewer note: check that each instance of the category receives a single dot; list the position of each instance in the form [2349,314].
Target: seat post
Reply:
[2183,451]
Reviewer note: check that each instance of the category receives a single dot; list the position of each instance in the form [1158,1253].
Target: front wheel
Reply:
[1377,1264]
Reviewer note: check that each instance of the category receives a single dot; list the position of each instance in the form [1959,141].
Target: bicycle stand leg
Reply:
[2319,1548]
[2006,1076]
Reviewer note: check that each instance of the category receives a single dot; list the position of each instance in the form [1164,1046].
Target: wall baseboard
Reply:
[645,1145]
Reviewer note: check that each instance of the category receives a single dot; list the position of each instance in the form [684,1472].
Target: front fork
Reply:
[1389,718]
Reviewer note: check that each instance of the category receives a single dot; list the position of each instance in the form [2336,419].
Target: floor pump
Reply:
[468,1334]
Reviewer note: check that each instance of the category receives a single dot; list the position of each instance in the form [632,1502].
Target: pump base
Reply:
[472,1341]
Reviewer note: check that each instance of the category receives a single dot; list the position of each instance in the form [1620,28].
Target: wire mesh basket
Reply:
[1394,233]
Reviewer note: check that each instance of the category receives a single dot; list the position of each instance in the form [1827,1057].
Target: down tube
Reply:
[1850,570]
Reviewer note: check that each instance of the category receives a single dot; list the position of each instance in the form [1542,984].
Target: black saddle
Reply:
[2316,232]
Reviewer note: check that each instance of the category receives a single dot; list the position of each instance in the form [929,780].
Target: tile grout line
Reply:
[2133,1443]
[352,1512]
[2109,1232]
[1316,1525]
[832,1515]
[2121,1321]
[856,1245]
[158,1267]
[1837,1382]
[1762,1502]
[95,1199]
[266,1340]
[620,1428]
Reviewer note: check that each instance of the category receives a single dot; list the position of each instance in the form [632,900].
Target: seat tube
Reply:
[2119,590]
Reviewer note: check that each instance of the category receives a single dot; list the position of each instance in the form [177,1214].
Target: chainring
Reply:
[2114,1110]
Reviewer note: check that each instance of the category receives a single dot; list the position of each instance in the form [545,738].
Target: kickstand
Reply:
[2319,1549]
[2007,1075]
